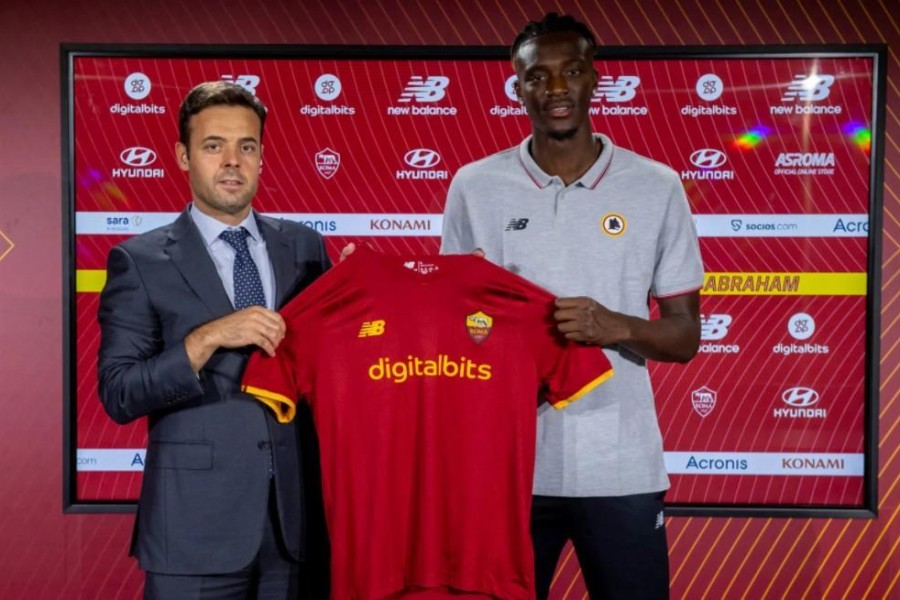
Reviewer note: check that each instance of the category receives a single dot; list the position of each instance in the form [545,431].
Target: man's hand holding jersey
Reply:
[674,336]
[254,325]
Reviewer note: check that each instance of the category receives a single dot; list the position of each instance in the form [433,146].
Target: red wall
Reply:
[45,554]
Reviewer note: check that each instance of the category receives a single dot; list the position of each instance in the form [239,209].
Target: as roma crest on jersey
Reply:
[479,326]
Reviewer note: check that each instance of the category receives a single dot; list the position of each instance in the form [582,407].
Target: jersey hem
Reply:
[584,390]
[284,408]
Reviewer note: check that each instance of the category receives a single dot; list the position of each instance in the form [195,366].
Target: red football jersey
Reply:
[423,376]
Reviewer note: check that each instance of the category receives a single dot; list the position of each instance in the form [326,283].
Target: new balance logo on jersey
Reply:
[660,520]
[516,225]
[425,90]
[808,88]
[620,89]
[371,328]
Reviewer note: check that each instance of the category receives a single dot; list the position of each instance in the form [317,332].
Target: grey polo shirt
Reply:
[622,233]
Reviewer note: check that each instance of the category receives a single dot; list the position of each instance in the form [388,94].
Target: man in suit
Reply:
[221,508]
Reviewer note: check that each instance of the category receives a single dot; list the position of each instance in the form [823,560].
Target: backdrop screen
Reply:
[777,153]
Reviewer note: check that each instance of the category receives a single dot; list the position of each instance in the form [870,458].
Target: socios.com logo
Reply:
[708,158]
[800,397]
[422,158]
[138,156]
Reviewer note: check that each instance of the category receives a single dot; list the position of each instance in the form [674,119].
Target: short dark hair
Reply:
[553,23]
[217,93]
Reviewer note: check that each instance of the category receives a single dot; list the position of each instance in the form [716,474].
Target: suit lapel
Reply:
[281,256]
[190,256]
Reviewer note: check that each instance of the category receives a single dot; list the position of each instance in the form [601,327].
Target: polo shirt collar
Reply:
[589,180]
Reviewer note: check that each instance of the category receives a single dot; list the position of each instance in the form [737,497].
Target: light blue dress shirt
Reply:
[223,254]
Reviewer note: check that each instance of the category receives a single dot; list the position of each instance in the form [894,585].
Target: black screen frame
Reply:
[877,52]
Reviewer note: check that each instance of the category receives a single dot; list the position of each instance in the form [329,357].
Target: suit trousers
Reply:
[271,575]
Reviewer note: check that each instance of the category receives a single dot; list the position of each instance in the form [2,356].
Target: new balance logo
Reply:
[620,89]
[425,90]
[714,327]
[808,88]
[248,82]
[371,328]
[516,225]
[660,520]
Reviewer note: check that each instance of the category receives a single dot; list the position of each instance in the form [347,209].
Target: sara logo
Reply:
[800,397]
[708,158]
[613,224]
[422,158]
[479,325]
[138,156]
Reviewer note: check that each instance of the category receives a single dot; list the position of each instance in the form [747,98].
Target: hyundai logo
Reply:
[707,158]
[800,396]
[138,156]
[422,158]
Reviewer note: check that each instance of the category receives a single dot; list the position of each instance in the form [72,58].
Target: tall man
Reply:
[220,513]
[606,229]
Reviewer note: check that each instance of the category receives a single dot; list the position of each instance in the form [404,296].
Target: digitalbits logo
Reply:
[137,86]
[710,87]
[327,87]
[509,88]
[801,326]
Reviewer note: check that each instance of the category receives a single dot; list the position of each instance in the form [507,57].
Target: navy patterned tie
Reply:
[248,289]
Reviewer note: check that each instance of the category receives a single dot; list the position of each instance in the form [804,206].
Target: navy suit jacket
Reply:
[206,481]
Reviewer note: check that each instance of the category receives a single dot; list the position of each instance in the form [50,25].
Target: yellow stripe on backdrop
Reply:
[784,284]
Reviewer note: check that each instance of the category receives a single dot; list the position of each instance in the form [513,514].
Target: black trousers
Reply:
[620,543]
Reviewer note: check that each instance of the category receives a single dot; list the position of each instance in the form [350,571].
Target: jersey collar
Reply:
[589,180]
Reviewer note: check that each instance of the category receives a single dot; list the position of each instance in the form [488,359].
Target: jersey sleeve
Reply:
[679,268]
[571,370]
[271,380]
[280,381]
[568,370]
